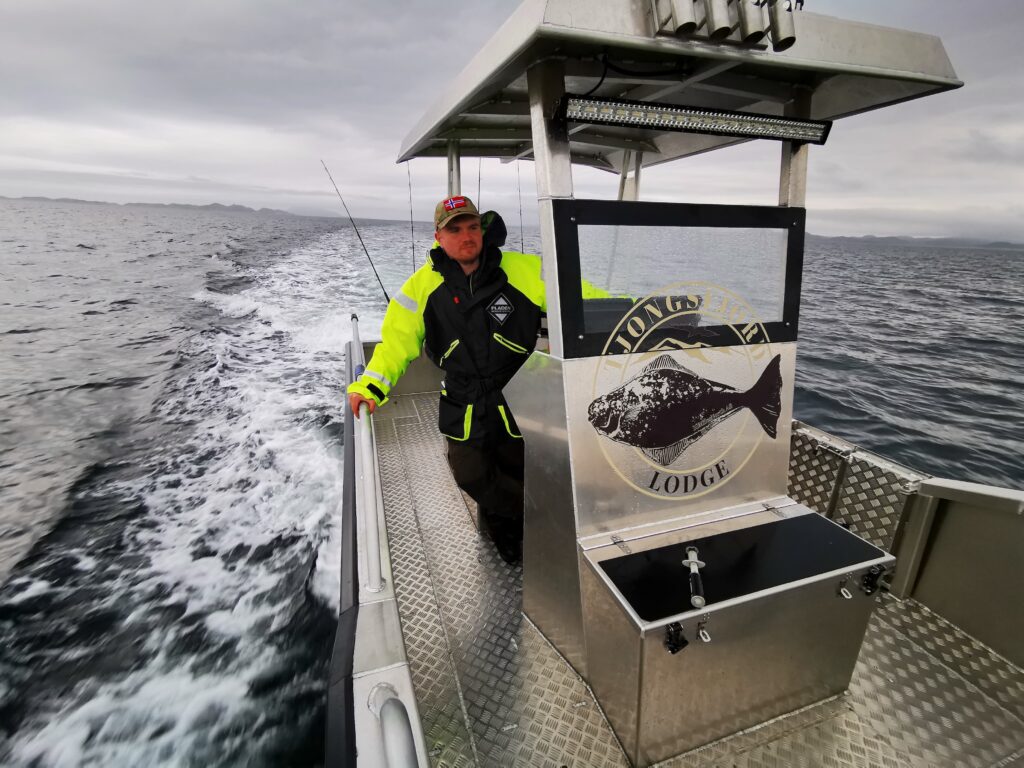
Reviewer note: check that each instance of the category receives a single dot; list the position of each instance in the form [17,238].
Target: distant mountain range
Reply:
[187,206]
[931,242]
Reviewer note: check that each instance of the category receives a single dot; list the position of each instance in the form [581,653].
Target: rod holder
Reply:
[718,25]
[752,22]
[684,17]
[780,20]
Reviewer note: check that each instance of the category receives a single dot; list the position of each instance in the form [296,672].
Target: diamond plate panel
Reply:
[526,706]
[996,677]
[812,471]
[396,409]
[725,751]
[923,693]
[921,708]
[846,740]
[430,662]
[871,500]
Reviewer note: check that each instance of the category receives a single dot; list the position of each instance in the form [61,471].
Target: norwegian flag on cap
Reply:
[454,202]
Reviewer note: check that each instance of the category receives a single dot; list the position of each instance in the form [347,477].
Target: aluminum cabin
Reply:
[705,581]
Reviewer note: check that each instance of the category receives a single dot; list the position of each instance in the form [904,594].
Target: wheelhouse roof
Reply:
[848,67]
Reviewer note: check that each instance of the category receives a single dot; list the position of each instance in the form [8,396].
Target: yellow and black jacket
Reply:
[479,329]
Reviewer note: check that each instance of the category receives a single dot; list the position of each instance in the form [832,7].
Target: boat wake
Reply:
[182,611]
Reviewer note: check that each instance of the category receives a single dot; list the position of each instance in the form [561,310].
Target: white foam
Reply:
[161,718]
[35,588]
[242,520]
[232,305]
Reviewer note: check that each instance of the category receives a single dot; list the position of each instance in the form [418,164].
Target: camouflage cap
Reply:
[451,207]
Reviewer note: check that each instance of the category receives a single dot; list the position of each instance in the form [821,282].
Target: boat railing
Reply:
[371,705]
[957,544]
[369,480]
[395,726]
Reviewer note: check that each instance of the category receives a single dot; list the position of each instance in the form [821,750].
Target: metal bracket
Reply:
[618,541]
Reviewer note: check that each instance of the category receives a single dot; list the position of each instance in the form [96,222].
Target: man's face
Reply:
[462,238]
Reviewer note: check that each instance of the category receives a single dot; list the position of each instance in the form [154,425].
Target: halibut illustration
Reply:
[665,408]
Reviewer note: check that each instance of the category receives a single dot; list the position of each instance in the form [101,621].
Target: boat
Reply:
[705,581]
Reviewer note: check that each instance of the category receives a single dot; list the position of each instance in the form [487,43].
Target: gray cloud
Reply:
[236,101]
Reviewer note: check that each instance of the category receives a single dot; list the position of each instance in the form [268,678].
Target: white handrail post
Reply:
[367,477]
[395,727]
[374,579]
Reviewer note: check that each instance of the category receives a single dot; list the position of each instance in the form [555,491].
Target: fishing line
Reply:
[519,190]
[353,221]
[412,227]
[479,165]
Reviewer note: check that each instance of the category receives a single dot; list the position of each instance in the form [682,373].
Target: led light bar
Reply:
[669,117]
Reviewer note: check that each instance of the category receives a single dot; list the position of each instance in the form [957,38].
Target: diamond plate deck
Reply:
[493,692]
[871,500]
[813,470]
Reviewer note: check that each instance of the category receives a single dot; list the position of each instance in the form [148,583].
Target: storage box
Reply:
[787,603]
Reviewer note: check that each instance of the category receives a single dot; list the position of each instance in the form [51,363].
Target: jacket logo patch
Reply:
[500,308]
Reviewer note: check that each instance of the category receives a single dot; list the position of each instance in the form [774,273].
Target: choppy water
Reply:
[170,432]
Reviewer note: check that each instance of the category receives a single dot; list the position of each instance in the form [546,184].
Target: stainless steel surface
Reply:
[623,174]
[551,594]
[370,745]
[396,730]
[752,22]
[399,747]
[523,703]
[852,67]
[674,530]
[999,679]
[454,168]
[793,171]
[427,646]
[421,376]
[683,17]
[365,471]
[746,661]
[923,693]
[717,24]
[554,177]
[972,573]
[816,462]
[613,481]
[782,25]
[905,707]
[870,495]
[873,497]
[379,639]
[1005,500]
[913,543]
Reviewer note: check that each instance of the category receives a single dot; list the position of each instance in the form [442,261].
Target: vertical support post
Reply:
[454,168]
[793,174]
[629,186]
[546,83]
[627,155]
[638,164]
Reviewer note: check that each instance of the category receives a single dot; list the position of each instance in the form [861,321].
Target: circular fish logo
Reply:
[699,390]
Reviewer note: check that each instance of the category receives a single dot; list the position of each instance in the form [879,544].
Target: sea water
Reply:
[170,452]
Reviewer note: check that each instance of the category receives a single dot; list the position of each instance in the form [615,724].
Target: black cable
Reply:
[386,297]
[680,70]
[604,74]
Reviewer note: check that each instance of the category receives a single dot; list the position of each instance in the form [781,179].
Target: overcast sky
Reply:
[236,101]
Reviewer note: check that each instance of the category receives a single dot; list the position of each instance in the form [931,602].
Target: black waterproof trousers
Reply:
[490,471]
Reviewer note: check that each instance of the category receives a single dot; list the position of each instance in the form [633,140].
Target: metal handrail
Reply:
[395,727]
[367,476]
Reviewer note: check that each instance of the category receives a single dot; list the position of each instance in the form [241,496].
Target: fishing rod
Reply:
[353,221]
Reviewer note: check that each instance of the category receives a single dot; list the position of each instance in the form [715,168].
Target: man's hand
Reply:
[355,400]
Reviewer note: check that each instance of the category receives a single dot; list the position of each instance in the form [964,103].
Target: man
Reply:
[476,311]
